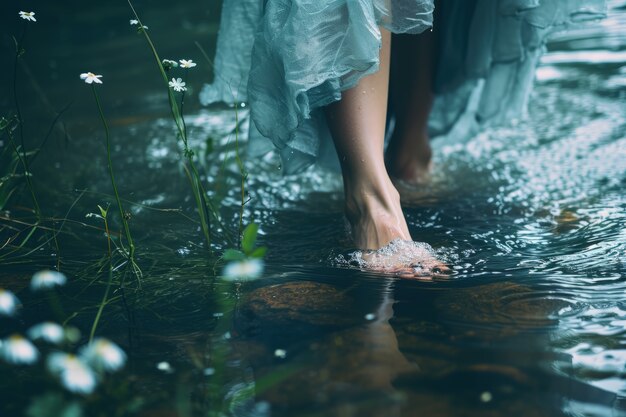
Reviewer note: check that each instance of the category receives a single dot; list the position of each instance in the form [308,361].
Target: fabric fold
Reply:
[290,58]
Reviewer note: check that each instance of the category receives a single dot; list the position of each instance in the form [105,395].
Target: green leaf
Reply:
[259,253]
[233,255]
[103,212]
[249,238]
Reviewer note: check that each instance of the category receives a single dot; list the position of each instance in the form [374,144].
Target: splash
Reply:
[399,257]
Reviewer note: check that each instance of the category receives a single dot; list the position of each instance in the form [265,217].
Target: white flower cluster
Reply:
[177,84]
[79,373]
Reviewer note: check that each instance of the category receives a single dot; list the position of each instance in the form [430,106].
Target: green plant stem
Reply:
[182,106]
[105,297]
[242,171]
[129,239]
[23,161]
[203,203]
[18,113]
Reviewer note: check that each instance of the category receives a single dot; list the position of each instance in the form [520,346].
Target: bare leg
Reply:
[372,203]
[357,123]
[409,153]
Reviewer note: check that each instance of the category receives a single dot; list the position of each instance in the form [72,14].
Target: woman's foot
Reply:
[380,230]
[411,162]
[375,215]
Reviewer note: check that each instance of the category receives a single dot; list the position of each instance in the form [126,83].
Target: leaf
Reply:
[233,255]
[249,238]
[103,212]
[259,253]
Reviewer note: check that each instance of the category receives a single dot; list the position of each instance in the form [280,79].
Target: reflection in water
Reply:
[531,218]
[438,353]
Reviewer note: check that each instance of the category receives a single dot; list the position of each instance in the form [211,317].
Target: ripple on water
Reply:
[594,336]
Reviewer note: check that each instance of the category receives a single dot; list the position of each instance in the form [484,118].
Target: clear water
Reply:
[531,218]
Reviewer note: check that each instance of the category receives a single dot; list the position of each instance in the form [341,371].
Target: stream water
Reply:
[531,218]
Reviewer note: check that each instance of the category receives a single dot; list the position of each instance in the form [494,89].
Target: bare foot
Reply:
[405,259]
[379,228]
[412,163]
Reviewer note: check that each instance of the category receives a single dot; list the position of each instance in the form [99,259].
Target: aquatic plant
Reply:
[246,263]
[92,79]
[21,156]
[203,203]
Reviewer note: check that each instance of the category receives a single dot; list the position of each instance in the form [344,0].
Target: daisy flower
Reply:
[104,354]
[28,16]
[90,77]
[48,331]
[178,84]
[245,270]
[8,303]
[187,63]
[18,350]
[74,373]
[44,280]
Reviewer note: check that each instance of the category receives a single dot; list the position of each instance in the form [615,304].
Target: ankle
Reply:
[411,163]
[364,198]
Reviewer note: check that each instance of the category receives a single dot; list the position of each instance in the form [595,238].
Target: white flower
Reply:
[248,269]
[90,77]
[169,64]
[280,353]
[73,372]
[104,354]
[8,303]
[18,350]
[28,16]
[136,22]
[46,279]
[187,63]
[178,85]
[48,331]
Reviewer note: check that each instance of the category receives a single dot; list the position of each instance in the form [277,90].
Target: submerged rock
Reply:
[302,303]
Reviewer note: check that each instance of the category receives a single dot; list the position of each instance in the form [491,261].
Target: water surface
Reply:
[531,218]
